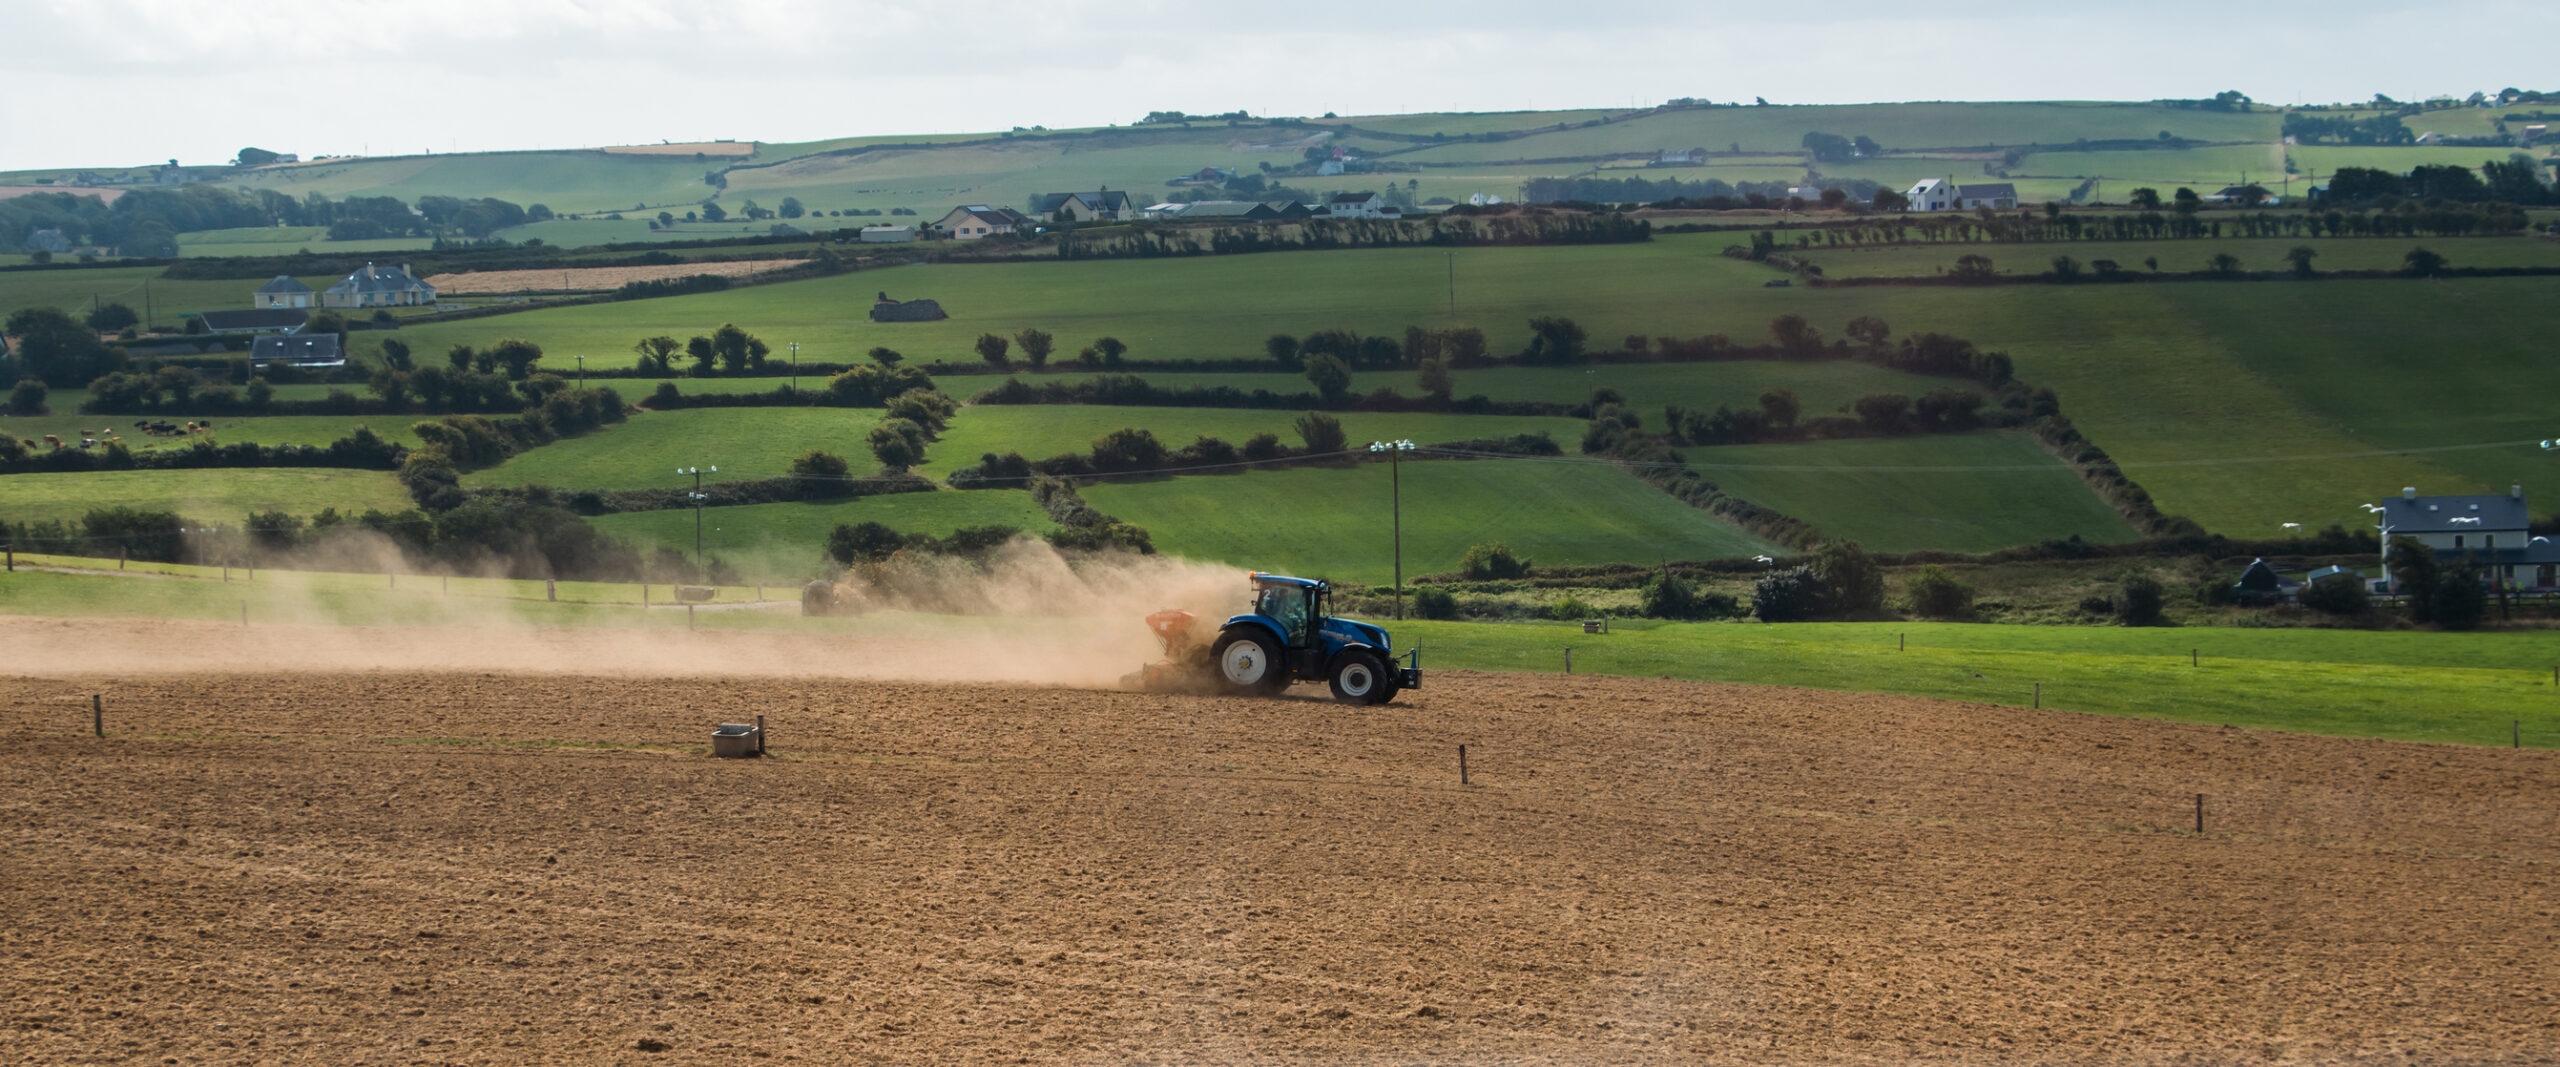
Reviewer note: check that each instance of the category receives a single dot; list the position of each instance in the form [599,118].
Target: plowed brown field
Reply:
[284,865]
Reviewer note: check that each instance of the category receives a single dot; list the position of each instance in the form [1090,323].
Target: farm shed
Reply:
[920,310]
[880,235]
[2260,584]
[300,350]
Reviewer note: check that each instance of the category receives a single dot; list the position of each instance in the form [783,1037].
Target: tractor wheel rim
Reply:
[1241,664]
[1357,680]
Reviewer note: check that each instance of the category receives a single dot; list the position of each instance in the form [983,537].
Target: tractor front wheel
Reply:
[1247,663]
[1361,678]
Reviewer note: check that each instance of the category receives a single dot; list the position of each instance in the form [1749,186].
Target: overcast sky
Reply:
[123,82]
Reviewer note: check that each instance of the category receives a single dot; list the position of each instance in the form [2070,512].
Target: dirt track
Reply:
[522,867]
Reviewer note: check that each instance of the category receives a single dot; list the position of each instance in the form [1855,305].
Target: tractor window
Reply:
[1288,607]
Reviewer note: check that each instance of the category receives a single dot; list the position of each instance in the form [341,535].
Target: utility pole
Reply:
[698,498]
[1395,451]
[582,372]
[1453,282]
[795,365]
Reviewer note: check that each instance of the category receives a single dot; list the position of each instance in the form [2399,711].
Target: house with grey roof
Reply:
[1994,195]
[1361,206]
[2491,529]
[284,292]
[377,287]
[300,350]
[971,222]
[1101,204]
[1227,211]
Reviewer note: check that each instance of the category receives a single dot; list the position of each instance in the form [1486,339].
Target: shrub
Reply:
[1432,602]
[864,542]
[2343,595]
[28,397]
[2139,599]
[1940,595]
[820,472]
[2097,605]
[1321,432]
[1791,596]
[1262,446]
[1855,582]
[1668,596]
[1492,560]
[1571,607]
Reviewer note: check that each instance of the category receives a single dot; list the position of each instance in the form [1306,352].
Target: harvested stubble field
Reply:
[578,279]
[486,863]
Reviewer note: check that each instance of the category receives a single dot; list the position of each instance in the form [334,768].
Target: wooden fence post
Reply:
[1462,764]
[97,715]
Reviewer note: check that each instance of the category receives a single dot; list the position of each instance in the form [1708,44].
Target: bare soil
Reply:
[590,278]
[272,862]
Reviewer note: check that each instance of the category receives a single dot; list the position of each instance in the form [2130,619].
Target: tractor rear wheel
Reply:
[1361,678]
[1247,663]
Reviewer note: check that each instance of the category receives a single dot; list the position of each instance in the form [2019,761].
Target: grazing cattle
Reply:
[53,440]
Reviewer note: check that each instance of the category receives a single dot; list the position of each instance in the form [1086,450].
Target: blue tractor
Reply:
[1291,635]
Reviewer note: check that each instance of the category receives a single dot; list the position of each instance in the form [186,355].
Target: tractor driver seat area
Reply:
[1288,607]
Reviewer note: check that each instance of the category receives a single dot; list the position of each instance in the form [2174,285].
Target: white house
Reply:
[376,287]
[2490,528]
[974,221]
[284,292]
[1932,195]
[1084,207]
[1361,206]
[1943,194]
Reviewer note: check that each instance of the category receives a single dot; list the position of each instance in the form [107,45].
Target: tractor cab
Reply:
[1292,635]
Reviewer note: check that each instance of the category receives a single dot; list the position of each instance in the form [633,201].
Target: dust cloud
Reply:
[1025,615]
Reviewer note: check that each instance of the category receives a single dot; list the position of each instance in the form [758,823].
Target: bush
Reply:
[1668,596]
[1791,596]
[1856,583]
[820,472]
[1432,602]
[27,398]
[2097,605]
[2139,599]
[1492,560]
[2343,596]
[864,542]
[1940,595]
[1570,608]
[1261,447]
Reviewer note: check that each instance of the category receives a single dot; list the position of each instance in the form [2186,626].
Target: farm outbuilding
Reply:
[918,310]
[255,320]
[284,292]
[300,350]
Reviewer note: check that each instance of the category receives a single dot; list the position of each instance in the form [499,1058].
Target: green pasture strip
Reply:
[569,182]
[222,496]
[786,541]
[644,452]
[1954,493]
[1822,387]
[76,291]
[251,429]
[1039,431]
[1899,127]
[2206,169]
[2439,688]
[1337,522]
[1206,308]
[2254,254]
[1463,123]
[2317,162]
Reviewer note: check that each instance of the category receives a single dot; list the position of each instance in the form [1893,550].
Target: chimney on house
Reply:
[2408,492]
[2515,490]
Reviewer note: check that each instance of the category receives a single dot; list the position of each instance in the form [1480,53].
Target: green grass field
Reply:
[2254,253]
[644,452]
[2430,687]
[567,181]
[1969,493]
[282,241]
[1899,127]
[223,496]
[783,542]
[2206,169]
[2317,162]
[169,302]
[2472,689]
[264,430]
[1336,522]
[1043,430]
[1820,387]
